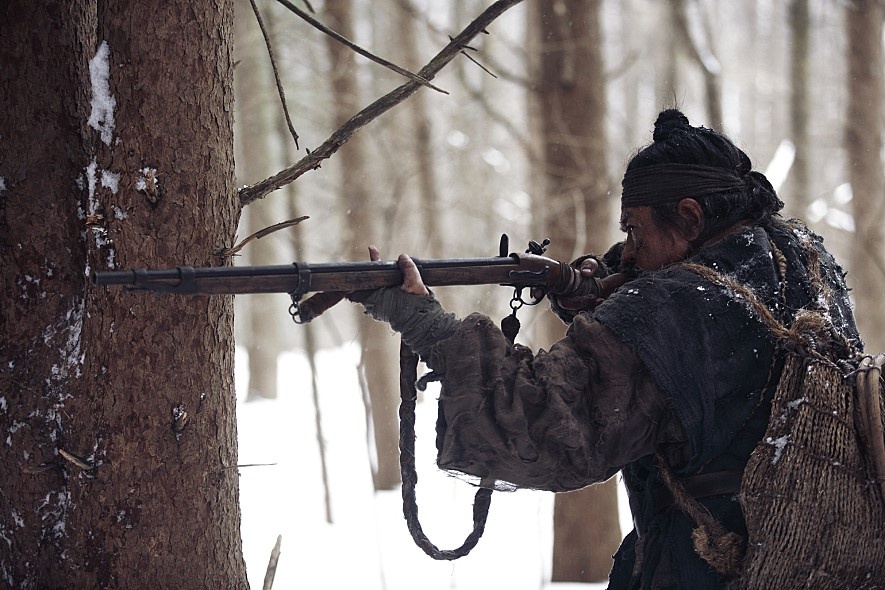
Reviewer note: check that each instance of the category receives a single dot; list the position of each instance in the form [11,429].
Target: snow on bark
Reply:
[103,103]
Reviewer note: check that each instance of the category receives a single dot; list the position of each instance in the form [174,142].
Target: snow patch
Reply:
[793,405]
[515,551]
[91,182]
[103,103]
[779,445]
[110,180]
[93,218]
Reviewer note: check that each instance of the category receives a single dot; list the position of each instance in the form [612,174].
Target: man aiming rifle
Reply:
[668,379]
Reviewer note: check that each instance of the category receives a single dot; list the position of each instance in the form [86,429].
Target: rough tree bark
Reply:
[576,211]
[117,409]
[863,145]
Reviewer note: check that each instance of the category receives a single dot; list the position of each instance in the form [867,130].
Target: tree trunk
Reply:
[669,86]
[697,41]
[378,355]
[118,409]
[586,532]
[287,154]
[576,211]
[256,102]
[863,144]
[799,185]
[422,131]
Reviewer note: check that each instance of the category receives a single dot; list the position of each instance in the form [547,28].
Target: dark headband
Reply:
[668,183]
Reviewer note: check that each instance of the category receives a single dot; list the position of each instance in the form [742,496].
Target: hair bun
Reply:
[668,122]
[764,195]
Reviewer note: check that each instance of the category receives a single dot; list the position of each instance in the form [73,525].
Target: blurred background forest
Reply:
[530,139]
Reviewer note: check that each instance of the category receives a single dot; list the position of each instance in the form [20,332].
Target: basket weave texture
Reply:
[811,494]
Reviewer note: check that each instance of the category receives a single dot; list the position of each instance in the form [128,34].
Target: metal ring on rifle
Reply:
[516,301]
[295,311]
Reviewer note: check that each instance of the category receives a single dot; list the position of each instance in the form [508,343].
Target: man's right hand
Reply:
[588,269]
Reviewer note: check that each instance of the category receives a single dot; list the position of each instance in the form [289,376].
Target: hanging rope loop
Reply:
[483,497]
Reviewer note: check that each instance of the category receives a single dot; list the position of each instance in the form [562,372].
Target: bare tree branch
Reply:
[378,60]
[500,72]
[314,159]
[276,73]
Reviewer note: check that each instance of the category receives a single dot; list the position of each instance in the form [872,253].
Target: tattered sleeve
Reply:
[559,420]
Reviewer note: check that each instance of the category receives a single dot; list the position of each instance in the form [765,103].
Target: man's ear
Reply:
[690,211]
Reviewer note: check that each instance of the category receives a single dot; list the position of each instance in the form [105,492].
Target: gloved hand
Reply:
[568,307]
[612,264]
[410,309]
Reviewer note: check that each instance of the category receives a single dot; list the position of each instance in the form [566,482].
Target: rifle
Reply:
[333,281]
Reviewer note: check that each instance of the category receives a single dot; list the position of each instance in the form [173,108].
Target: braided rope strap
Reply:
[723,550]
[483,498]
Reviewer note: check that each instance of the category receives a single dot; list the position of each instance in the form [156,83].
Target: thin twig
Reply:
[276,73]
[241,465]
[75,460]
[378,60]
[314,159]
[503,73]
[482,67]
[465,54]
[228,252]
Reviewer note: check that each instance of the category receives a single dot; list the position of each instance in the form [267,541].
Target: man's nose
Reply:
[628,255]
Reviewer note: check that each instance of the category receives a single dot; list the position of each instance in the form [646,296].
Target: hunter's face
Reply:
[650,246]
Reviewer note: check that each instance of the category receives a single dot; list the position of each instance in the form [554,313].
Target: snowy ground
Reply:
[367,546]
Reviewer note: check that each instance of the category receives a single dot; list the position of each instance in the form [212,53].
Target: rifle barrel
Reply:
[304,278]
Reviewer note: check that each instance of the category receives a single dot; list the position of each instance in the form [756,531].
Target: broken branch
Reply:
[313,159]
[228,252]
